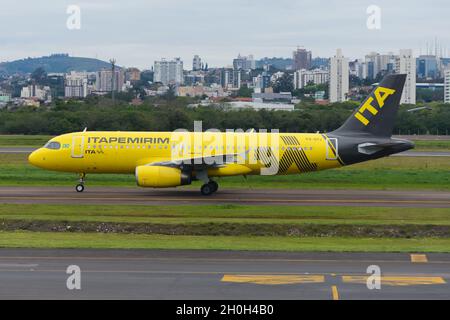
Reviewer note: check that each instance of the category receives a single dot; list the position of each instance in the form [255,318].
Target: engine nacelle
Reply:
[161,177]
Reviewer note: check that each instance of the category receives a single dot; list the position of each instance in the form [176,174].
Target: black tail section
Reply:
[376,115]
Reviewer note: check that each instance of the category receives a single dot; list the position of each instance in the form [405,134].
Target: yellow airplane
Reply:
[171,159]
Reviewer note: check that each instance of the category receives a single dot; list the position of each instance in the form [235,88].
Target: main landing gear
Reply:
[80,187]
[209,188]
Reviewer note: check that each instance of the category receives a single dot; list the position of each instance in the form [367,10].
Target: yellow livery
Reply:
[171,159]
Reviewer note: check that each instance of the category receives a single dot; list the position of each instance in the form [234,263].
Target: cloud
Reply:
[138,32]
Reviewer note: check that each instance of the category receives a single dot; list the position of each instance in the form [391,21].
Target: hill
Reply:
[56,63]
[279,63]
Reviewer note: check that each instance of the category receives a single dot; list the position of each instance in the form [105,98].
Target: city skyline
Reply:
[141,33]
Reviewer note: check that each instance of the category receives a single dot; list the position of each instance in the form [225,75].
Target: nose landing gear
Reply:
[80,187]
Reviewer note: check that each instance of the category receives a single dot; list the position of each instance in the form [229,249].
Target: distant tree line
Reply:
[169,113]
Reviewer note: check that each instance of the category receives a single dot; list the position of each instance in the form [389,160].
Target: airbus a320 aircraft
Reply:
[166,159]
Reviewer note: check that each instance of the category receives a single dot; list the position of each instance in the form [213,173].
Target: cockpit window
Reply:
[53,145]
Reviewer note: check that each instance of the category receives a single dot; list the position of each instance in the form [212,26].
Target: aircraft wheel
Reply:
[206,189]
[214,185]
[79,188]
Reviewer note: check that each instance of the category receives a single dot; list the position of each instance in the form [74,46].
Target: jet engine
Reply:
[161,177]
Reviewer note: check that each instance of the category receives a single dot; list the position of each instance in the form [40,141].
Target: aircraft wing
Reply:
[213,161]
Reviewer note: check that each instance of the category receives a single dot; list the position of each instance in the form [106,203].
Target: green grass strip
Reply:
[193,214]
[119,241]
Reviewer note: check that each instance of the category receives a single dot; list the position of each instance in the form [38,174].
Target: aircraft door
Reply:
[332,149]
[77,147]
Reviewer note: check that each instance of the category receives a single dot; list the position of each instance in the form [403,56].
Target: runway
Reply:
[210,275]
[422,154]
[185,196]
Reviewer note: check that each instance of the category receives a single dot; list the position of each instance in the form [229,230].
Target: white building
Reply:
[244,63]
[261,81]
[359,69]
[168,72]
[36,92]
[4,98]
[339,77]
[76,85]
[303,77]
[196,63]
[261,106]
[230,79]
[406,63]
[104,81]
[376,63]
[198,91]
[277,75]
[447,86]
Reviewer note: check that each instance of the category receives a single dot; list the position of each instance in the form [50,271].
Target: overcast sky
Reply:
[136,32]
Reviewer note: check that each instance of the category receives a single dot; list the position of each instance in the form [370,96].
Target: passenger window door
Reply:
[78,147]
[332,149]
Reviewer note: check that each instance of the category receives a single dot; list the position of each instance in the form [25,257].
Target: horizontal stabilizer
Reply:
[371,148]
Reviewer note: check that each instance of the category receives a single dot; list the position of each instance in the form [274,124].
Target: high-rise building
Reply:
[356,68]
[376,63]
[427,67]
[168,72]
[303,77]
[339,77]
[104,80]
[301,59]
[261,81]
[76,85]
[406,63]
[36,92]
[194,78]
[132,74]
[244,63]
[230,78]
[447,86]
[320,63]
[196,63]
[56,82]
[444,64]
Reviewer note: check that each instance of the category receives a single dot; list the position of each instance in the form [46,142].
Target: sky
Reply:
[138,32]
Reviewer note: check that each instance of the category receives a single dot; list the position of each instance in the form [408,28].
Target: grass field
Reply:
[432,145]
[388,173]
[116,241]
[243,214]
[231,227]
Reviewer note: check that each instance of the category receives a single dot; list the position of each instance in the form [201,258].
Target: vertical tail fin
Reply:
[376,115]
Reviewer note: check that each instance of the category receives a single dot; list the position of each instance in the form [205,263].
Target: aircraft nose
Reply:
[35,159]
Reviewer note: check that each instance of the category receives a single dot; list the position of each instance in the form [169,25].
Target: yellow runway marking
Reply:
[419,258]
[335,293]
[397,280]
[273,279]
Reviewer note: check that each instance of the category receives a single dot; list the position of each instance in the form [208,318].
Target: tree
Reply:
[284,84]
[146,78]
[170,93]
[245,91]
[39,76]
